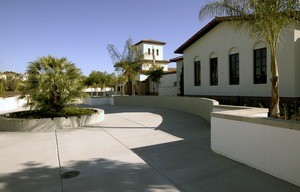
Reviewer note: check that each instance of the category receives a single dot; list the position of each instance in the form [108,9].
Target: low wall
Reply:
[269,145]
[167,91]
[11,103]
[98,101]
[198,106]
[48,124]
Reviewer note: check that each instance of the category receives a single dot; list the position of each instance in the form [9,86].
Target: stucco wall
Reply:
[268,145]
[98,101]
[198,106]
[219,42]
[297,61]
[167,85]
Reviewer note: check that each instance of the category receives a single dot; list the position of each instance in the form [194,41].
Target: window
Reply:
[260,66]
[197,73]
[234,77]
[149,53]
[157,52]
[214,71]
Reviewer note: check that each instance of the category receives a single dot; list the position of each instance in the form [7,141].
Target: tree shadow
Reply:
[95,175]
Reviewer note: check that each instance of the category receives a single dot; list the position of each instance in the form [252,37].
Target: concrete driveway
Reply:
[133,149]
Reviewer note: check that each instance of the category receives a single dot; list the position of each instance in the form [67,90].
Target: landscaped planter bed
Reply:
[48,124]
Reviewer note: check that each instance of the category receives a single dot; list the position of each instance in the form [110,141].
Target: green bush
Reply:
[66,112]
[52,84]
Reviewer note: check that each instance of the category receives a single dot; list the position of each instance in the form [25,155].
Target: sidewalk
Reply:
[133,149]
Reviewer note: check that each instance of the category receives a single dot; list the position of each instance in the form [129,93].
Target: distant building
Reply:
[153,54]
[3,76]
[168,83]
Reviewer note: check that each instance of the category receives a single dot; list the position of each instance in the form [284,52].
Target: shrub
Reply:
[52,83]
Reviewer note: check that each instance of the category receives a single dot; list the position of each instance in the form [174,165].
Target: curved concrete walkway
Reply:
[133,149]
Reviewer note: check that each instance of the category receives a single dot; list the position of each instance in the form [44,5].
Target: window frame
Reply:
[213,63]
[260,64]
[234,69]
[197,73]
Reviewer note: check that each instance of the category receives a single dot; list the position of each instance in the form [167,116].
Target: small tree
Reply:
[181,82]
[128,63]
[12,84]
[98,79]
[154,74]
[2,87]
[52,83]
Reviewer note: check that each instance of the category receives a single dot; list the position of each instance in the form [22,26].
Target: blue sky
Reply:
[81,29]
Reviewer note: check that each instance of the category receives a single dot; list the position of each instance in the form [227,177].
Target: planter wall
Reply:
[197,106]
[266,144]
[48,124]
[98,101]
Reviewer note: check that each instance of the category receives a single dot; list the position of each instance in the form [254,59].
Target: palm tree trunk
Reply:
[274,106]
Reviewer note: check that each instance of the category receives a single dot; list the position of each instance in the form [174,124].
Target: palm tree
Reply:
[52,83]
[264,18]
[128,62]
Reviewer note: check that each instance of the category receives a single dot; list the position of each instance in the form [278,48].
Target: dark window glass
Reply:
[197,73]
[234,69]
[149,51]
[214,71]
[157,52]
[260,66]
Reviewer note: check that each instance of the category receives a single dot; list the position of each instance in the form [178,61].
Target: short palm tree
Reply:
[128,62]
[264,18]
[52,83]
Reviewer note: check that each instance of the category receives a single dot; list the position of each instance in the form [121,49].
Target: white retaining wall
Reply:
[266,144]
[98,101]
[198,106]
[11,103]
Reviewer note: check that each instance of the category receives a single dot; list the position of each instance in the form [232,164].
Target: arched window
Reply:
[234,67]
[213,63]
[197,71]
[260,63]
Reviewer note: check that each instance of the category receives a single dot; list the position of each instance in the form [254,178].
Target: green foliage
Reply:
[66,112]
[290,110]
[181,82]
[128,63]
[155,73]
[98,79]
[2,87]
[12,84]
[52,83]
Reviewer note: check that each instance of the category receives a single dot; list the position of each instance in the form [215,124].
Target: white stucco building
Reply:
[168,84]
[220,60]
[153,53]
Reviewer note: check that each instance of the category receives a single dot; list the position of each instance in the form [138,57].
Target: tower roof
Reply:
[151,42]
